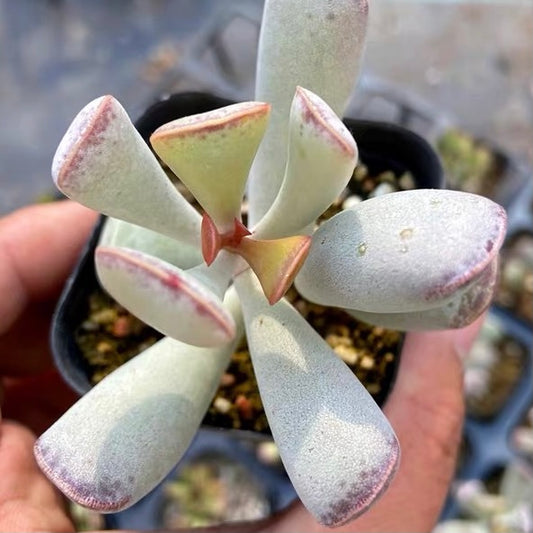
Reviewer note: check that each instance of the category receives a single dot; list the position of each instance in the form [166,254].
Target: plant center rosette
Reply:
[107,335]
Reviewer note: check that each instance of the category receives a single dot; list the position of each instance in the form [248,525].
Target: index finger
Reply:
[39,246]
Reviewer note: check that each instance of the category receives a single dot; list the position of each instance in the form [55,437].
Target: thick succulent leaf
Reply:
[275,262]
[124,436]
[337,446]
[212,153]
[317,45]
[465,305]
[103,163]
[167,298]
[217,276]
[402,252]
[119,233]
[321,160]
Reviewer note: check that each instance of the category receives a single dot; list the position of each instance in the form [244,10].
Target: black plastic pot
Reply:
[382,147]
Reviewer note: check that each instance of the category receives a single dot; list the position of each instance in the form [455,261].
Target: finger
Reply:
[426,410]
[28,501]
[37,401]
[38,248]
[25,345]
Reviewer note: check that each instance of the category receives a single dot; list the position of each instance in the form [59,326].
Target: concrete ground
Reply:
[470,62]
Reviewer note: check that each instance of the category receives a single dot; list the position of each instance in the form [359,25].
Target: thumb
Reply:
[426,409]
[28,502]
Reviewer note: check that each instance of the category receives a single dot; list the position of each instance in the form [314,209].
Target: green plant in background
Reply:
[508,509]
[411,260]
[470,165]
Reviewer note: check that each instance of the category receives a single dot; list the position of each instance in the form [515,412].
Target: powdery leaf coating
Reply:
[275,262]
[322,157]
[336,445]
[212,154]
[404,252]
[460,310]
[136,424]
[121,234]
[103,163]
[322,54]
[217,276]
[169,299]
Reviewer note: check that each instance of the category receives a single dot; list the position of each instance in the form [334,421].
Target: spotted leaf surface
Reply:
[321,159]
[124,436]
[404,252]
[336,445]
[323,54]
[465,305]
[121,234]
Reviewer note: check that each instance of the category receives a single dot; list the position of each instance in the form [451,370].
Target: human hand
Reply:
[38,247]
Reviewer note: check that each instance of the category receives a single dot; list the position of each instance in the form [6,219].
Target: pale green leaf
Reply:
[212,153]
[167,298]
[321,160]
[336,445]
[461,309]
[316,45]
[103,163]
[124,436]
[119,233]
[402,252]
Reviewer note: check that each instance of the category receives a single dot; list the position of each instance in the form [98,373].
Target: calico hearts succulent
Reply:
[421,259]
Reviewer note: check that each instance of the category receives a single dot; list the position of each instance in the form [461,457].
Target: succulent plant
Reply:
[410,260]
